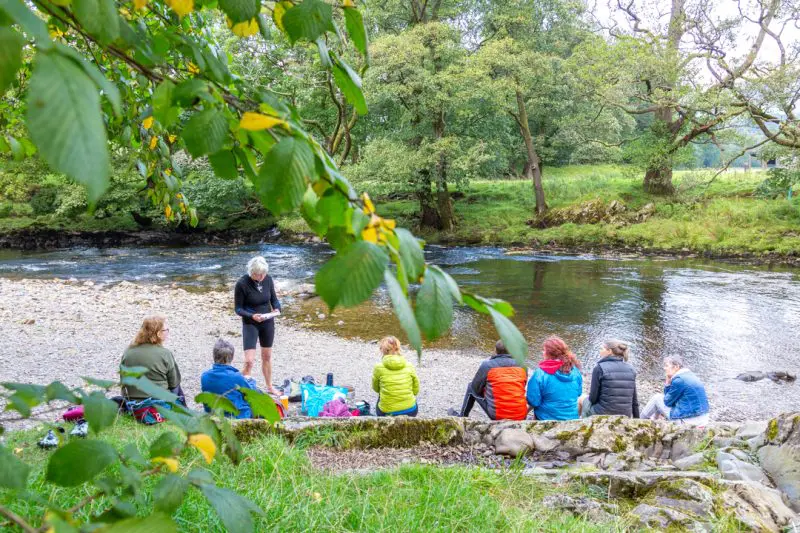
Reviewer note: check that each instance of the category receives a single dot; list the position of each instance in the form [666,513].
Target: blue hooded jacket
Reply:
[553,394]
[686,395]
[223,380]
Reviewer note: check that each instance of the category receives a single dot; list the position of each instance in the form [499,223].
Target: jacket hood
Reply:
[394,361]
[552,367]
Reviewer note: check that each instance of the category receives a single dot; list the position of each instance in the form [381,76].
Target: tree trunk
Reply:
[429,214]
[445,205]
[659,181]
[533,169]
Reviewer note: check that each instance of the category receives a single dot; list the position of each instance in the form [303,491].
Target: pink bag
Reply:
[336,409]
[76,413]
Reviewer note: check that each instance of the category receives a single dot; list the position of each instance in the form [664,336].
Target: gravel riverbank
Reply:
[62,330]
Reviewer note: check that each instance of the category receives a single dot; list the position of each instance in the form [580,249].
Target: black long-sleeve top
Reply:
[249,301]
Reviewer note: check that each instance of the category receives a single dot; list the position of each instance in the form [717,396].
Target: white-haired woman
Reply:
[254,297]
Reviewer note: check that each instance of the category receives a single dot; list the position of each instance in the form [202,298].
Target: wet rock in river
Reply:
[781,376]
[751,376]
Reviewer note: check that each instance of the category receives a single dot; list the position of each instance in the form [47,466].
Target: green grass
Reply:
[296,497]
[722,218]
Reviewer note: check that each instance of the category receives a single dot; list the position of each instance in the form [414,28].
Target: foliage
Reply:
[116,476]
[779,183]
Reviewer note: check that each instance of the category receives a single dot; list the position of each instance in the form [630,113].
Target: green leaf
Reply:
[188,91]
[482,305]
[354,23]
[10,56]
[216,401]
[102,383]
[233,510]
[308,21]
[163,111]
[58,391]
[205,132]
[30,23]
[411,254]
[99,411]
[132,371]
[98,17]
[351,277]
[168,494]
[16,149]
[308,209]
[13,472]
[262,405]
[240,10]
[350,84]
[28,391]
[79,461]
[132,454]
[434,305]
[224,165]
[455,292]
[200,476]
[149,388]
[155,523]
[232,446]
[18,403]
[332,208]
[168,444]
[281,182]
[66,124]
[110,91]
[403,311]
[510,335]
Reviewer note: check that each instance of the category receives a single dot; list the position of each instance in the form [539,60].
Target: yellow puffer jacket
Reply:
[397,383]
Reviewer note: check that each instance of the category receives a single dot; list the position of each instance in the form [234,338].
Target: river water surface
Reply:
[723,318]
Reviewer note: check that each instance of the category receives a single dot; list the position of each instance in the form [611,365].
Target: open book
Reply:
[272,314]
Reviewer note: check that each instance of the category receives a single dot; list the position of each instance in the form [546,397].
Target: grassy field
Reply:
[723,218]
[295,497]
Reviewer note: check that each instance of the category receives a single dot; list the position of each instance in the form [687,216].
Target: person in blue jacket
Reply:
[684,399]
[225,380]
[555,386]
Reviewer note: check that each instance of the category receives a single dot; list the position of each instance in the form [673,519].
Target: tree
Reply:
[683,75]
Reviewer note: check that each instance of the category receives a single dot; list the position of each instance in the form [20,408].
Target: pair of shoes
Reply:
[453,412]
[50,440]
[81,429]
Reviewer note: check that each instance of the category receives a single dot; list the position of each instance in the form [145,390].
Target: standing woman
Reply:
[254,297]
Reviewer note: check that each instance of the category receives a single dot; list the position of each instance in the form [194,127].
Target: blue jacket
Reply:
[223,380]
[555,396]
[686,395]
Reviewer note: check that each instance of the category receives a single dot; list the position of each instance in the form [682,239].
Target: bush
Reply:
[44,201]
[778,183]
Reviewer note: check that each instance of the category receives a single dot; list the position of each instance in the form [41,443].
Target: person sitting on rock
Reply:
[613,388]
[684,399]
[395,380]
[147,351]
[225,380]
[498,387]
[555,386]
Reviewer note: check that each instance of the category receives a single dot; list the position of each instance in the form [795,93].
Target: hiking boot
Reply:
[50,440]
[81,429]
[453,412]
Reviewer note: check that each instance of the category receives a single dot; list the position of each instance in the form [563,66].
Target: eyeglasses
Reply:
[165,329]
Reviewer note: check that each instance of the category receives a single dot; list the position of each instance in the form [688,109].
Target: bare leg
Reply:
[249,360]
[266,367]
[581,399]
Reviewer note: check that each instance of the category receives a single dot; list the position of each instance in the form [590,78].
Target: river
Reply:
[723,318]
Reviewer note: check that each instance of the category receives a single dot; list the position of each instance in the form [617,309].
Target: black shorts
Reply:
[262,333]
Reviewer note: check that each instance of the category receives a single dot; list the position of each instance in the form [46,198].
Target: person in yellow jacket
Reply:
[395,380]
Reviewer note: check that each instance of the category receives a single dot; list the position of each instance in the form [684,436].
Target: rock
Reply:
[340,323]
[590,458]
[581,506]
[513,442]
[781,376]
[690,461]
[687,495]
[757,507]
[658,517]
[321,316]
[735,469]
[782,463]
[29,321]
[542,443]
[751,429]
[723,442]
[751,376]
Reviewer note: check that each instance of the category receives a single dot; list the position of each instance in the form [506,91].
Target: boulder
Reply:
[513,442]
[543,444]
[686,495]
[778,376]
[581,506]
[782,463]
[751,429]
[735,469]
[757,507]
[647,515]
[690,461]
[751,376]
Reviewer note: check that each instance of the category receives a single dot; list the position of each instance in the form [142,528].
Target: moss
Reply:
[564,436]
[772,429]
[619,444]
[645,438]
[249,430]
[587,433]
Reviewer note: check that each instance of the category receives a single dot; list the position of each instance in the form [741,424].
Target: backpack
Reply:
[314,397]
[146,412]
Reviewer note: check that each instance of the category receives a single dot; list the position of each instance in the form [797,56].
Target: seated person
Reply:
[684,399]
[147,350]
[498,387]
[395,381]
[555,386]
[225,380]
[613,389]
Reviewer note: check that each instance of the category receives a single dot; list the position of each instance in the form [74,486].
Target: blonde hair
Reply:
[390,345]
[618,348]
[148,333]
[257,265]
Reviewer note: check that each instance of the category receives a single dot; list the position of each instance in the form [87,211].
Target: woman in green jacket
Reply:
[395,381]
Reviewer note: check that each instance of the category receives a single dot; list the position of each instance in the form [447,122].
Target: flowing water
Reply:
[723,318]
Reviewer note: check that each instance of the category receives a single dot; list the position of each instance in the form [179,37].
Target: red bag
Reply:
[148,415]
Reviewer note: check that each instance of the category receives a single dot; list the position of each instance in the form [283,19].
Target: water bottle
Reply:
[329,379]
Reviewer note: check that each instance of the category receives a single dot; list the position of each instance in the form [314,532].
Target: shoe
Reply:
[81,429]
[50,440]
[453,412]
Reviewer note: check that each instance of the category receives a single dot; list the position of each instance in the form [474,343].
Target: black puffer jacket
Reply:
[613,390]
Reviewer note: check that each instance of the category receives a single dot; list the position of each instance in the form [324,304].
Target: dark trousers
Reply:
[408,412]
[470,399]
[181,396]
